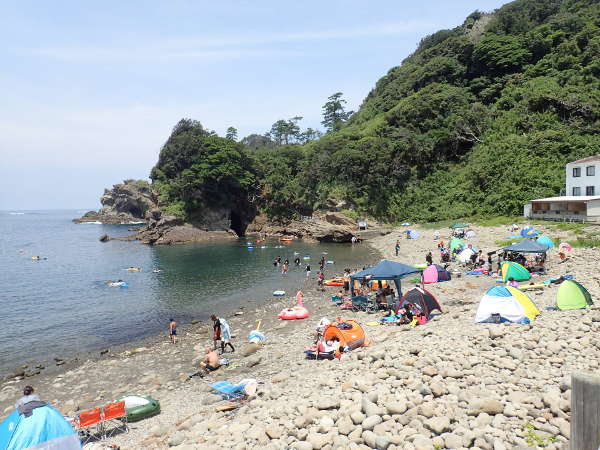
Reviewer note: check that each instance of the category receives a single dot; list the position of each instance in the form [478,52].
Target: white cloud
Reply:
[219,48]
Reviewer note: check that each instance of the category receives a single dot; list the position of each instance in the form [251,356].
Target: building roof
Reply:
[568,198]
[586,160]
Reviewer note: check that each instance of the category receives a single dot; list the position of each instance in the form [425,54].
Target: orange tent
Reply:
[353,337]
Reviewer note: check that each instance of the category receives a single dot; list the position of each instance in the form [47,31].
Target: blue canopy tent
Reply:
[46,428]
[385,270]
[526,246]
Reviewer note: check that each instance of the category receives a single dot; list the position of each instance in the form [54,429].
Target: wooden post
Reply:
[585,411]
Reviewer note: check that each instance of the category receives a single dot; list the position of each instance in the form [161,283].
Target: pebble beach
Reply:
[448,384]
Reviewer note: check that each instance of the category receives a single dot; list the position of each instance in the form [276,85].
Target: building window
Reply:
[590,171]
[576,191]
[589,190]
[576,171]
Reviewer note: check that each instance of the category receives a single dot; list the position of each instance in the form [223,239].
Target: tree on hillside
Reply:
[334,112]
[258,140]
[309,135]
[231,134]
[286,132]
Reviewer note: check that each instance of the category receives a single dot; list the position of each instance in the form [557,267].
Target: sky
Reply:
[91,90]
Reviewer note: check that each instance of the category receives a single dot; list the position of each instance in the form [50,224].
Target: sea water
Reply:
[62,305]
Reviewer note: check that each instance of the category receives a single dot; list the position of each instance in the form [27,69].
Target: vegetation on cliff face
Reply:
[477,121]
[198,170]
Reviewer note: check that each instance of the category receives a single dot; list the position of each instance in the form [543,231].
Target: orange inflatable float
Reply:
[334,282]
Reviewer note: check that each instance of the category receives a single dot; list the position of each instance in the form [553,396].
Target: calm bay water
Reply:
[62,305]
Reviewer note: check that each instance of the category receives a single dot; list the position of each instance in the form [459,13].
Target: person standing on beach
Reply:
[173,330]
[216,330]
[321,280]
[307,271]
[397,247]
[297,261]
[285,267]
[429,259]
[222,330]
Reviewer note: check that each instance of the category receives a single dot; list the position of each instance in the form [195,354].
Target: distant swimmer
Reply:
[38,258]
[157,270]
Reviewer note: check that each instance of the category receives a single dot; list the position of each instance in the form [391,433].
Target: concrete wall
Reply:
[584,180]
[593,209]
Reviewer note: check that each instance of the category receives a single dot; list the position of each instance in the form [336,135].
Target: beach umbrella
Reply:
[545,240]
[564,247]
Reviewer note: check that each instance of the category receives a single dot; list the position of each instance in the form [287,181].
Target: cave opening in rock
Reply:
[236,223]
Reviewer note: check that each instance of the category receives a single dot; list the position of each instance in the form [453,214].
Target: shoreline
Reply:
[450,383]
[41,372]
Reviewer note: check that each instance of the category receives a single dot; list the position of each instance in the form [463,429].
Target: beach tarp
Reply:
[456,243]
[470,234]
[529,232]
[413,234]
[422,299]
[435,274]
[526,246]
[572,295]
[511,304]
[386,270]
[459,225]
[46,429]
[514,270]
[545,240]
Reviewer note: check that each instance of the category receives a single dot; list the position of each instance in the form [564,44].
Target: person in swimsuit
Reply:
[216,330]
[307,271]
[173,330]
[210,363]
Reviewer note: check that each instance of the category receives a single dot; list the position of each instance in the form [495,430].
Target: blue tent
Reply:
[46,429]
[386,270]
[413,234]
[526,246]
[529,232]
[545,240]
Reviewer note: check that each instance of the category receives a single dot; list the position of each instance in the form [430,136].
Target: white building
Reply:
[583,177]
[582,199]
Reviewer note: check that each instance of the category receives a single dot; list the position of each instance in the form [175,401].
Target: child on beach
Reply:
[173,331]
[307,271]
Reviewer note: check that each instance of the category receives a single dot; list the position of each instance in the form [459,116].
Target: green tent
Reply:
[459,225]
[572,295]
[516,271]
[456,243]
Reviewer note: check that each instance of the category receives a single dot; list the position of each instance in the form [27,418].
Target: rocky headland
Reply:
[125,203]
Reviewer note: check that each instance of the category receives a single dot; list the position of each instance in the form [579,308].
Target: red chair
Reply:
[89,424]
[115,418]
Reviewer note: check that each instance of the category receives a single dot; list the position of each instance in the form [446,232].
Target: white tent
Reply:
[465,255]
[501,300]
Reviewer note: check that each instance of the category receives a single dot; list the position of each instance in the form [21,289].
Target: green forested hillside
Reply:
[477,121]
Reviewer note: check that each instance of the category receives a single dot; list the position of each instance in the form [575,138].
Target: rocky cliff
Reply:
[124,203]
[323,226]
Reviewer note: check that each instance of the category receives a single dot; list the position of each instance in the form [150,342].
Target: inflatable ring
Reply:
[278,293]
[297,312]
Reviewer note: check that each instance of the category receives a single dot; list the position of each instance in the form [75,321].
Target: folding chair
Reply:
[115,415]
[229,391]
[89,425]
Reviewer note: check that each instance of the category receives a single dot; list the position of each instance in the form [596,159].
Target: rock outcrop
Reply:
[322,227]
[124,203]
[164,229]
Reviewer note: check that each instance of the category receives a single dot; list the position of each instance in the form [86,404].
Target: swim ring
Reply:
[278,293]
[134,269]
[256,337]
[118,284]
[297,312]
